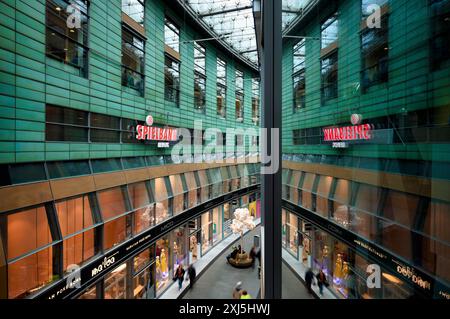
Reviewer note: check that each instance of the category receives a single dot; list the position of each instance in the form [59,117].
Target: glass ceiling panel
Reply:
[232,21]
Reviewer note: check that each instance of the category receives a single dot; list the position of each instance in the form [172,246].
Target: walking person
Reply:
[321,281]
[179,275]
[253,256]
[237,291]
[192,274]
[309,277]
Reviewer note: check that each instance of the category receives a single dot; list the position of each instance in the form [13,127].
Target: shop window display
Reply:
[207,230]
[305,243]
[116,283]
[162,271]
[143,283]
[179,253]
[90,293]
[227,220]
[217,224]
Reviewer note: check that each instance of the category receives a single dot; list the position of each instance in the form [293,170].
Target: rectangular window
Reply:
[105,128]
[329,31]
[199,77]
[28,238]
[375,55]
[171,35]
[440,41]
[133,60]
[329,71]
[65,42]
[255,100]
[298,74]
[135,9]
[172,80]
[76,221]
[199,91]
[239,95]
[128,134]
[64,124]
[298,137]
[221,87]
[112,202]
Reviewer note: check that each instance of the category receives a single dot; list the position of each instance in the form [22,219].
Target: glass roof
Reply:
[231,21]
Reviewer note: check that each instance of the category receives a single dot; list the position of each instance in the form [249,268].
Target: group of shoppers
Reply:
[321,279]
[179,275]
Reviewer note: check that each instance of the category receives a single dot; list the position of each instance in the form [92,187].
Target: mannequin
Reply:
[163,263]
[345,270]
[158,272]
[338,267]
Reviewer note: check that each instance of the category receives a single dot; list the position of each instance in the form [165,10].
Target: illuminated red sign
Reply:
[348,133]
[152,133]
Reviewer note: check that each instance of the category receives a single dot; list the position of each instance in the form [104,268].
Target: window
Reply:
[63,124]
[298,137]
[76,224]
[199,76]
[106,165]
[133,60]
[298,75]
[255,100]
[135,10]
[129,131]
[171,35]
[221,87]
[239,95]
[375,54]
[172,80]
[329,31]
[144,212]
[68,168]
[329,70]
[113,204]
[28,251]
[65,42]
[105,128]
[440,41]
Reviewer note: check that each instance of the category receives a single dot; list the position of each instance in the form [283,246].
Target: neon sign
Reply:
[348,133]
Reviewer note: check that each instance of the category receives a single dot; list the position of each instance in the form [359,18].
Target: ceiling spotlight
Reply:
[58,9]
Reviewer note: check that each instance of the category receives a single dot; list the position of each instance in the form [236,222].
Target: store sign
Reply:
[152,133]
[348,133]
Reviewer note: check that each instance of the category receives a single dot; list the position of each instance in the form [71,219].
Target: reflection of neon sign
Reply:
[156,133]
[348,133]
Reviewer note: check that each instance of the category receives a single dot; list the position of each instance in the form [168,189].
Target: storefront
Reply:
[344,266]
